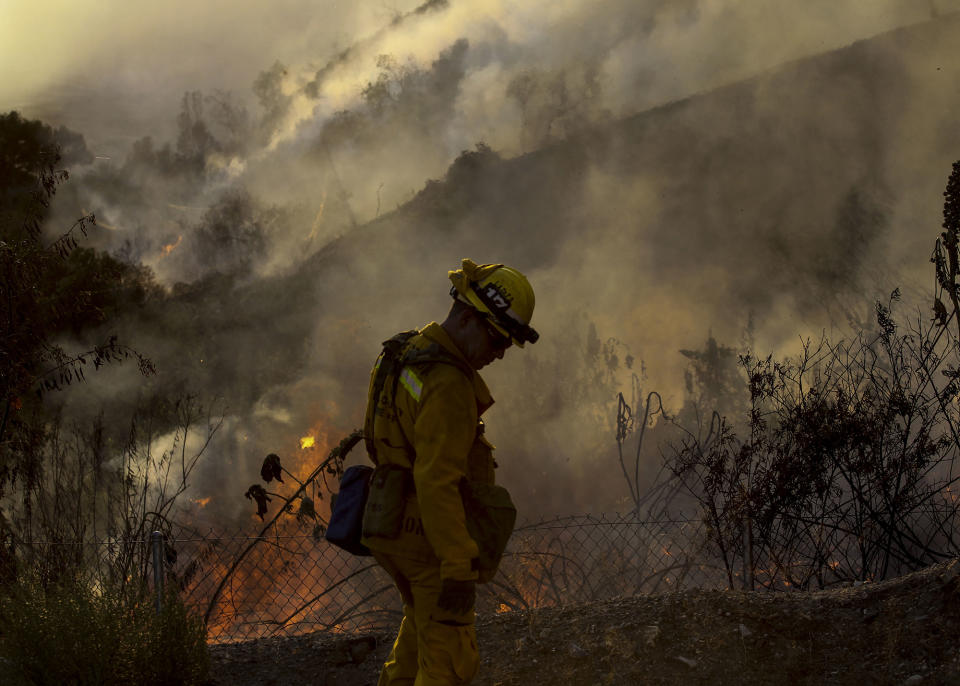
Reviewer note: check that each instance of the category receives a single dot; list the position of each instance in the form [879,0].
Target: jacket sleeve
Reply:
[444,431]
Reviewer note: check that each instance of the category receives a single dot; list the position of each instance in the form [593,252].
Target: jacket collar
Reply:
[436,333]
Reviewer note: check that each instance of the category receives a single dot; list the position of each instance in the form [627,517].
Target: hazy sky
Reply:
[116,69]
[136,58]
[218,43]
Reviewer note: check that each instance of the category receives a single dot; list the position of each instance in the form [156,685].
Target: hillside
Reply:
[784,186]
[788,180]
[797,197]
[901,631]
[785,204]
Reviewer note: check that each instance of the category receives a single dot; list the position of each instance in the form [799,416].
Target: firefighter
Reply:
[425,434]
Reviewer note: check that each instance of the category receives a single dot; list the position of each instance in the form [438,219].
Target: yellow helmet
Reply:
[502,294]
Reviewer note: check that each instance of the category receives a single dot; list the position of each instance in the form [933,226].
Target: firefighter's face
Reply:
[484,344]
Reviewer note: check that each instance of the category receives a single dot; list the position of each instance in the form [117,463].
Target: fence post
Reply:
[156,538]
[747,553]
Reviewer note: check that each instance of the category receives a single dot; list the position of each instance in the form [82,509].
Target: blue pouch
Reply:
[346,515]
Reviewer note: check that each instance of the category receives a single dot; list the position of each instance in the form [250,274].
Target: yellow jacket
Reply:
[435,414]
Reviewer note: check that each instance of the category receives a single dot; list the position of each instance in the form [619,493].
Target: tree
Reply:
[49,288]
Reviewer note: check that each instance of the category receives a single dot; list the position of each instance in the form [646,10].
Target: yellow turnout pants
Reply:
[433,648]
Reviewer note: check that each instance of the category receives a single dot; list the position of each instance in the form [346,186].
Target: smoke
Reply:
[300,180]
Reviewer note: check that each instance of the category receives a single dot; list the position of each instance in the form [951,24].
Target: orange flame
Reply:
[247,586]
[170,247]
[315,442]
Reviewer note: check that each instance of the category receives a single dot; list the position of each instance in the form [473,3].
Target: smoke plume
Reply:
[300,179]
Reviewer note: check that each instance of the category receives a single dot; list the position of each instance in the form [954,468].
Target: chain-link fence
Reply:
[288,582]
[249,585]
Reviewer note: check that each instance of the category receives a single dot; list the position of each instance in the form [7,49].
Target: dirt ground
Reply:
[902,631]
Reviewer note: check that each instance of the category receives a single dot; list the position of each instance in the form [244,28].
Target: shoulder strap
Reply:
[388,364]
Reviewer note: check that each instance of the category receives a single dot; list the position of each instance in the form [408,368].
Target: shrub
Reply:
[74,634]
